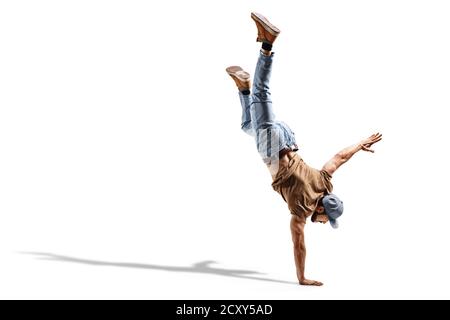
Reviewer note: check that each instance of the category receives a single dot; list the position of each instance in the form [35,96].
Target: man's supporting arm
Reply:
[344,155]
[298,238]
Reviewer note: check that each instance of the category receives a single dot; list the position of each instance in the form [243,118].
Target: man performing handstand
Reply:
[307,191]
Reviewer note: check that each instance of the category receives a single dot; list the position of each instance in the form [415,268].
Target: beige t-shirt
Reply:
[302,186]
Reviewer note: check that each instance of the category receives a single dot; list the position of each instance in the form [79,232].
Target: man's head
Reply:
[329,209]
[319,215]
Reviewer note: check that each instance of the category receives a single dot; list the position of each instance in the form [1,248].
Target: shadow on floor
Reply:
[199,267]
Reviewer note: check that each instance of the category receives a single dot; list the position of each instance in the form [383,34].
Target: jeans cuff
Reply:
[266,57]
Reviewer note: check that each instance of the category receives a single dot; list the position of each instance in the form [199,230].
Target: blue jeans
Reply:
[258,119]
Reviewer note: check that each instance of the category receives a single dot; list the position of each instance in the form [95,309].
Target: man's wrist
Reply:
[359,147]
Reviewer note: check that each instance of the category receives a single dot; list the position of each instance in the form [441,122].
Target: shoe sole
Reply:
[244,76]
[267,25]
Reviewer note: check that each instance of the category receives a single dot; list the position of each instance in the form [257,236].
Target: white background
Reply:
[122,163]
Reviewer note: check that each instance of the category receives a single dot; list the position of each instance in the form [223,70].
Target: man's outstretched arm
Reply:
[344,155]
[298,238]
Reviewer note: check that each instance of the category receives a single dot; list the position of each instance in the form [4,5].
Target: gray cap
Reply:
[334,208]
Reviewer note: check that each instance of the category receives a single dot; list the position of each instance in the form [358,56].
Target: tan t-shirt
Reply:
[302,186]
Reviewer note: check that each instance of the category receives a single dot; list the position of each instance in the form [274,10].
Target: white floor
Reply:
[124,174]
[235,264]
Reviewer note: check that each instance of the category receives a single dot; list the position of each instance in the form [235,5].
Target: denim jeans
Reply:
[258,118]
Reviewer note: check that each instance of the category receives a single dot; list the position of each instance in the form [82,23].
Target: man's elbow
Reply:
[341,157]
[299,245]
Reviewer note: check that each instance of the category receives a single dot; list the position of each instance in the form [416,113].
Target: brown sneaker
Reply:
[241,77]
[267,32]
